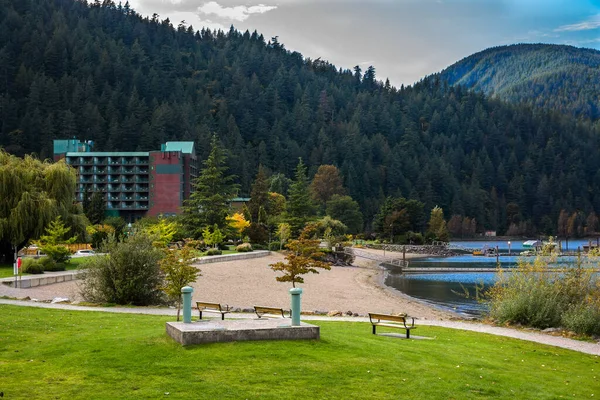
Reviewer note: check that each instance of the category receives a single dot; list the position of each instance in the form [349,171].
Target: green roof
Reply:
[109,154]
[71,145]
[240,199]
[184,147]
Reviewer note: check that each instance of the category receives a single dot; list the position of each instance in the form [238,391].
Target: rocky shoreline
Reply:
[428,250]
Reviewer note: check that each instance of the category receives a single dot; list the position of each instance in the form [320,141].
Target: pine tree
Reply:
[300,208]
[259,196]
[208,205]
[258,208]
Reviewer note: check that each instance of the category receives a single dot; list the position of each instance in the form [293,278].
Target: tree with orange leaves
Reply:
[303,257]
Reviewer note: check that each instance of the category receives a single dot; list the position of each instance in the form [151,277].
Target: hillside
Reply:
[102,72]
[555,77]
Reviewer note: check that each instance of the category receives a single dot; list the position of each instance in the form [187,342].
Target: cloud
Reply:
[590,24]
[236,13]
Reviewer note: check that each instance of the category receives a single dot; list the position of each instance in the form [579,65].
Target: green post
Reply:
[296,294]
[186,292]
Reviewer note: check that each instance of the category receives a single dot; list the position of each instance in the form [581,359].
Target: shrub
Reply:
[535,295]
[244,248]
[32,266]
[49,264]
[128,274]
[214,252]
[257,246]
[414,238]
[275,246]
[583,319]
[223,246]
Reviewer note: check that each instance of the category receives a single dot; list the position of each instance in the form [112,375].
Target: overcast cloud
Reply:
[404,39]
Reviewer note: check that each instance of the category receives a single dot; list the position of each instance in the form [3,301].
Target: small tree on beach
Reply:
[303,257]
[178,273]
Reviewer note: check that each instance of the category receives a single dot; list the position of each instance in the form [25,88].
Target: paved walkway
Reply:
[576,345]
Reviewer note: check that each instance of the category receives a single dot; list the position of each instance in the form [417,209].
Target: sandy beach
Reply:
[357,289]
[245,283]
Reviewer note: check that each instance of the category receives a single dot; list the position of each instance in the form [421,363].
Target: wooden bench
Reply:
[212,307]
[272,311]
[392,321]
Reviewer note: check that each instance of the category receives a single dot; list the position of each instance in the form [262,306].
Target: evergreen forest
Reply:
[99,71]
[555,77]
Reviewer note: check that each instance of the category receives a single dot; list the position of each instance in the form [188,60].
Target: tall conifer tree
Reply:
[300,208]
[208,205]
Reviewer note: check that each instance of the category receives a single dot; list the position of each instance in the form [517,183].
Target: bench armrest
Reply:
[412,325]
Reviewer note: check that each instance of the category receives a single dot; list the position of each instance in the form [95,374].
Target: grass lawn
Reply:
[92,355]
[6,270]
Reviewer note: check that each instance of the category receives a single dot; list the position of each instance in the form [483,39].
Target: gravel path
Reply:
[557,341]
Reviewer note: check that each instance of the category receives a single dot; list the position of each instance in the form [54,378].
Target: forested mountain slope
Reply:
[101,72]
[555,77]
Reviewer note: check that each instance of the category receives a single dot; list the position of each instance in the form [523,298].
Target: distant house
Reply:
[489,233]
[237,203]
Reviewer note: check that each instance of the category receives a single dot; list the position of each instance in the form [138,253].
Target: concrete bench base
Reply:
[210,331]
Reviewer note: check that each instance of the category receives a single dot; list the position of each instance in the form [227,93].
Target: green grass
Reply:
[91,355]
[6,270]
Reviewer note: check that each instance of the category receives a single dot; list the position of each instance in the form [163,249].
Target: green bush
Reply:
[257,246]
[583,319]
[274,246]
[244,248]
[49,264]
[32,266]
[128,274]
[533,302]
[536,295]
[415,238]
[214,252]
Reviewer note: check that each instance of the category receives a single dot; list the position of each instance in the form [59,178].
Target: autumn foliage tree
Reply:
[238,223]
[303,257]
[326,183]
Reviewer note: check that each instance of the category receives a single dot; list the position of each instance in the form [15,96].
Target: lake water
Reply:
[449,290]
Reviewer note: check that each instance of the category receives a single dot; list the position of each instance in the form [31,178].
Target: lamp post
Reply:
[509,247]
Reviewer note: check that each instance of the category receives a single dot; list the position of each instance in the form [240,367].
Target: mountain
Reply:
[102,72]
[555,77]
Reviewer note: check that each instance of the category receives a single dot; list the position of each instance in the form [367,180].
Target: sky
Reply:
[404,40]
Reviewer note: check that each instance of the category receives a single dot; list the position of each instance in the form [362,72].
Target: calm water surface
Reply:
[457,290]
